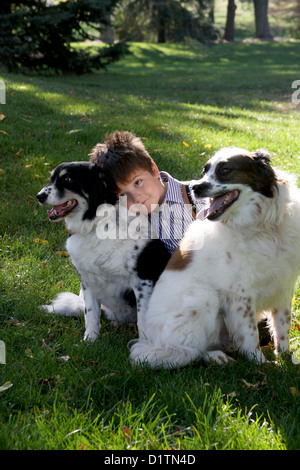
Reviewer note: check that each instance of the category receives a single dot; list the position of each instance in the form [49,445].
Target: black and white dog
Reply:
[116,272]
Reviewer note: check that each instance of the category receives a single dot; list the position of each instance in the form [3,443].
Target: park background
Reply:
[185,98]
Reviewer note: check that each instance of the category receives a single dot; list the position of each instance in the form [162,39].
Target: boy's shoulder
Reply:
[177,190]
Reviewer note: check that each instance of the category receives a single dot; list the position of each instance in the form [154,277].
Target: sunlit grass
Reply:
[185,102]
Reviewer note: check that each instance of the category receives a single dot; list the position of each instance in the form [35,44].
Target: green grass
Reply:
[206,97]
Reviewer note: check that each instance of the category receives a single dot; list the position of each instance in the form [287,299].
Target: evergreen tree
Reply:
[39,35]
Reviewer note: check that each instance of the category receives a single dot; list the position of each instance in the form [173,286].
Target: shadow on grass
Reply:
[164,96]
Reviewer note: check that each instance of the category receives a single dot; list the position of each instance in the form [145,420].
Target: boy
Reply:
[168,201]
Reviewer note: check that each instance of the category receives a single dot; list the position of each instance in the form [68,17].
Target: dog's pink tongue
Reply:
[213,206]
[56,210]
[203,213]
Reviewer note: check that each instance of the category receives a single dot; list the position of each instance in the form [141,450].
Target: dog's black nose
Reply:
[42,196]
[201,189]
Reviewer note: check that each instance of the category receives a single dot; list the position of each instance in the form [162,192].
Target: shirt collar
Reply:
[174,193]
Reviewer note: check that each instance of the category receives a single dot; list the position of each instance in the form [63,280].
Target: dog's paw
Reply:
[91,336]
[218,357]
[47,308]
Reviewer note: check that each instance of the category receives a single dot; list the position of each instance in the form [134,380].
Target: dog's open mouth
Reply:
[219,204]
[62,210]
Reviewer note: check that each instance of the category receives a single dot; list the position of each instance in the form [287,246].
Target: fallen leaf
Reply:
[274,393]
[5,386]
[28,353]
[108,375]
[134,326]
[63,358]
[40,241]
[17,154]
[249,385]
[16,322]
[63,253]
[294,391]
[86,118]
[73,131]
[45,345]
[94,363]
[2,117]
[51,381]
[126,433]
[4,132]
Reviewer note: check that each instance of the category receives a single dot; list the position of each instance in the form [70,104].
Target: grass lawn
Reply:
[60,393]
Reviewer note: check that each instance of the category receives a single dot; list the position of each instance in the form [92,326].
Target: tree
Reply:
[166,20]
[37,34]
[262,26]
[229,28]
[288,10]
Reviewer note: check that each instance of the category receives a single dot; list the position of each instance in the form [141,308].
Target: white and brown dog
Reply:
[238,264]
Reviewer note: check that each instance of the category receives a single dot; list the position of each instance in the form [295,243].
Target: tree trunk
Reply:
[107,34]
[261,20]
[229,29]
[161,29]
[211,13]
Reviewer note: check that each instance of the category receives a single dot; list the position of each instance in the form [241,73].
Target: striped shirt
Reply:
[171,219]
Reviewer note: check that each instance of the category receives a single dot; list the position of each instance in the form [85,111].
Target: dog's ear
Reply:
[107,181]
[265,175]
[262,155]
[100,188]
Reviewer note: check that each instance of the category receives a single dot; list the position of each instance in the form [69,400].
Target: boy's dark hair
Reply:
[121,154]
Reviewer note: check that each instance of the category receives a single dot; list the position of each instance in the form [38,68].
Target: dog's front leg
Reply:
[242,326]
[91,314]
[280,329]
[142,289]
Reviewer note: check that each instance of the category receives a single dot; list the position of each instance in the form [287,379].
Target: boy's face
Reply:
[143,187]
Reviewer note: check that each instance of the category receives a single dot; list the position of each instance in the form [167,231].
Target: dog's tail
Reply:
[169,356]
[67,304]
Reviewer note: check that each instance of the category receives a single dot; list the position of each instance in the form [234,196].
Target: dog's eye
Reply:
[225,170]
[66,179]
